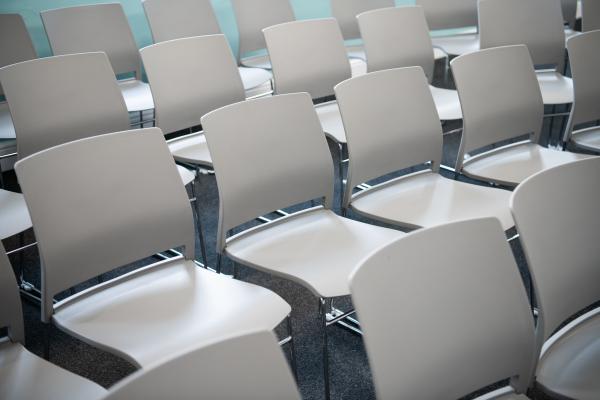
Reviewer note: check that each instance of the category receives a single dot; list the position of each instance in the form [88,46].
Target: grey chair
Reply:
[590,15]
[87,227]
[444,314]
[176,19]
[101,27]
[313,247]
[569,12]
[501,101]
[560,242]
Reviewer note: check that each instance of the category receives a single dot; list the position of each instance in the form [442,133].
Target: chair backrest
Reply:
[190,77]
[251,366]
[345,12]
[397,37]
[538,24]
[15,42]
[96,27]
[175,19]
[252,16]
[560,237]
[11,314]
[461,307]
[281,138]
[307,56]
[590,15]
[569,11]
[448,14]
[391,123]
[516,107]
[58,99]
[102,202]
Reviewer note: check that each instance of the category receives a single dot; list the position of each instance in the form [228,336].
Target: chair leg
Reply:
[198,223]
[218,269]
[341,171]
[290,332]
[323,315]
[551,133]
[561,134]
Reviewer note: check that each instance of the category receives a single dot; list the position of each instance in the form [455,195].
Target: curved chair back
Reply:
[391,123]
[11,314]
[176,19]
[516,107]
[345,12]
[15,42]
[58,99]
[190,77]
[307,56]
[569,11]
[245,367]
[397,37]
[448,14]
[590,15]
[538,24]
[560,238]
[461,307]
[97,27]
[253,16]
[119,199]
[281,138]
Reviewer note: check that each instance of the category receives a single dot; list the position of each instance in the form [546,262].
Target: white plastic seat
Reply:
[159,310]
[399,37]
[563,256]
[101,27]
[451,300]
[7,129]
[516,109]
[14,218]
[392,124]
[176,19]
[457,45]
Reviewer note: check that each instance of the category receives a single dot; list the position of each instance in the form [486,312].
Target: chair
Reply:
[161,309]
[314,247]
[23,375]
[391,124]
[563,255]
[590,15]
[101,27]
[249,366]
[176,19]
[585,64]
[569,12]
[538,24]
[399,37]
[444,323]
[501,101]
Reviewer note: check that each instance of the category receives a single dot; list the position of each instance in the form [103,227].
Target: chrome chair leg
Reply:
[341,171]
[323,315]
[218,268]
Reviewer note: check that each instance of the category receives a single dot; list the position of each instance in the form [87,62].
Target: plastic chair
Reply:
[314,247]
[176,19]
[445,322]
[23,375]
[87,227]
[101,27]
[399,37]
[569,12]
[391,124]
[590,15]
[563,255]
[501,100]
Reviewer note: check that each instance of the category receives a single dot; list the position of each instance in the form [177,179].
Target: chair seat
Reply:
[257,62]
[556,88]
[588,139]
[254,77]
[359,52]
[427,199]
[192,150]
[457,45]
[14,216]
[331,121]
[137,95]
[512,165]
[569,33]
[447,103]
[7,129]
[571,366]
[358,67]
[187,176]
[168,309]
[24,375]
[317,249]
[506,393]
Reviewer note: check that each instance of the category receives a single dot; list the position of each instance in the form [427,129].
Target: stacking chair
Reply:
[101,27]
[590,15]
[399,37]
[560,242]
[444,314]
[314,247]
[105,213]
[248,366]
[501,100]
[23,375]
[391,124]
[569,12]
[176,19]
